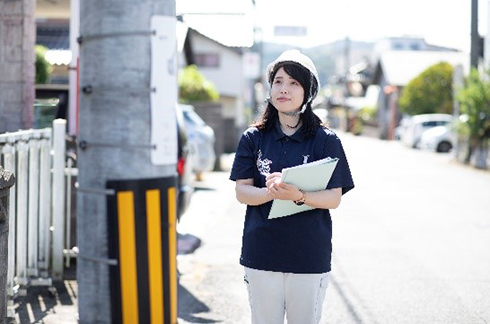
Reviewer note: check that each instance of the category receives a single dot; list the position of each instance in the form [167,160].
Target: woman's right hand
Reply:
[273,181]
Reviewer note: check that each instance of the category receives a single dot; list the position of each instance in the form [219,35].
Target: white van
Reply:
[420,123]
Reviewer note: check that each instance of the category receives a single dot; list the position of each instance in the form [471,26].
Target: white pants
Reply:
[273,294]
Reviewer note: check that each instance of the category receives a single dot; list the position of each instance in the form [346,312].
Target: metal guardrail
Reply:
[37,202]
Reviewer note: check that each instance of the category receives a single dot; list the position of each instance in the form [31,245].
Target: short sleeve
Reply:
[341,177]
[244,162]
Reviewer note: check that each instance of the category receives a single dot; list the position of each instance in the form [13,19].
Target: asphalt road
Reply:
[410,243]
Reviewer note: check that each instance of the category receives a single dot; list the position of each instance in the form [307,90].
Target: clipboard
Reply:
[313,176]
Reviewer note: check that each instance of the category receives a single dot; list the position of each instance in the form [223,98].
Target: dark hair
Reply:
[310,121]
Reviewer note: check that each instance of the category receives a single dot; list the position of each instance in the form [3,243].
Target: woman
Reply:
[287,259]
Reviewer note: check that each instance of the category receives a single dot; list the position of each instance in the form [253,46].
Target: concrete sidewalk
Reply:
[57,304]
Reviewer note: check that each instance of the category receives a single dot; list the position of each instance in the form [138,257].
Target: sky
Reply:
[440,22]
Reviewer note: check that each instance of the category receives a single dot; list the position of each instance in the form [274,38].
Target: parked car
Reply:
[201,137]
[184,165]
[404,123]
[418,124]
[440,139]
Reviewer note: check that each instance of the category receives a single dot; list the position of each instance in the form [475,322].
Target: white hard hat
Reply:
[297,57]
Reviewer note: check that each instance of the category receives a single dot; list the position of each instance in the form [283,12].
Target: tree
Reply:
[474,100]
[429,92]
[43,68]
[194,87]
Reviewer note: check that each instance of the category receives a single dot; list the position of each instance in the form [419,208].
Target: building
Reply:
[222,65]
[398,61]
[219,63]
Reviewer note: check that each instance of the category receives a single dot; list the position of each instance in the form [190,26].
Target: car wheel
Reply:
[444,147]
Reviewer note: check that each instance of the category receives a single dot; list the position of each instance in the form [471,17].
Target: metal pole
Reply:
[475,37]
[68,212]
[73,72]
[486,44]
[114,129]
[59,146]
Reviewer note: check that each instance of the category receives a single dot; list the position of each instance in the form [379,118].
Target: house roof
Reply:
[399,67]
[230,23]
[238,50]
[53,36]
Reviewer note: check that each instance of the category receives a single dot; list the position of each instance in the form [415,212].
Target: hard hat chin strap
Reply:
[303,108]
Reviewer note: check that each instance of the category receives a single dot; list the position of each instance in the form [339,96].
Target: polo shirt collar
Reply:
[278,134]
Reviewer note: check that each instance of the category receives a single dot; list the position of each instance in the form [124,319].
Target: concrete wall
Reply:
[210,112]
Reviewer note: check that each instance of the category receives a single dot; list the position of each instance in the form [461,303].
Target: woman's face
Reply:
[287,93]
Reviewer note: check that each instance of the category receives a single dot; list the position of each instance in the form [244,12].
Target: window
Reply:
[415,46]
[431,123]
[397,46]
[207,60]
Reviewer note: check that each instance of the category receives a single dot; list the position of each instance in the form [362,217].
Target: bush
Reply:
[43,68]
[474,100]
[194,87]
[429,92]
[368,114]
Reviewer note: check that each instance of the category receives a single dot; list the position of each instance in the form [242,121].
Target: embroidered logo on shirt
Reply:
[305,159]
[263,165]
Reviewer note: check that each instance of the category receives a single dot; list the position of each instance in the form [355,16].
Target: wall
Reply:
[228,77]
[210,112]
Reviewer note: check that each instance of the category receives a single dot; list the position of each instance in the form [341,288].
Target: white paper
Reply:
[311,176]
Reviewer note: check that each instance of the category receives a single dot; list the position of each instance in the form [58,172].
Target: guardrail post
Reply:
[33,207]
[22,203]
[7,180]
[59,146]
[45,206]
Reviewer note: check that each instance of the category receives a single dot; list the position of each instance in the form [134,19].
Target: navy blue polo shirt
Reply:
[300,243]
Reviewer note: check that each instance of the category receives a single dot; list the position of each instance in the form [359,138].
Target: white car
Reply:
[438,139]
[201,137]
[418,124]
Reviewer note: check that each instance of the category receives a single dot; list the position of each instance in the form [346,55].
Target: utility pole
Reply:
[475,37]
[17,72]
[116,125]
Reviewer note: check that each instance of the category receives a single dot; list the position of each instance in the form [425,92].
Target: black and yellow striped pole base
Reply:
[143,238]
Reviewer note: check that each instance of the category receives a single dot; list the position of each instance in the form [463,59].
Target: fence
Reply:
[37,217]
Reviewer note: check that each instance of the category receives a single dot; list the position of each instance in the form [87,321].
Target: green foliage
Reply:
[43,68]
[474,100]
[194,87]
[429,92]
[368,113]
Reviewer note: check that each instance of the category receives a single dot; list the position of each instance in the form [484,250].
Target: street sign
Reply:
[164,90]
[251,65]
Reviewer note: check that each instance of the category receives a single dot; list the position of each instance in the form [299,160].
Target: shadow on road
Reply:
[190,306]
[42,301]
[203,188]
[187,243]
